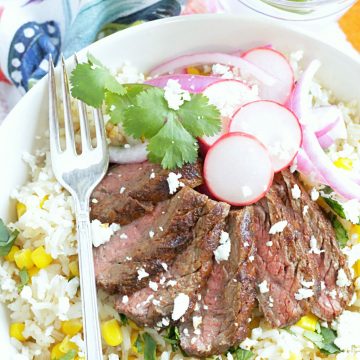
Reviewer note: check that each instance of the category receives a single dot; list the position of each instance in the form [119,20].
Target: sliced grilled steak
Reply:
[187,275]
[132,190]
[292,279]
[122,264]
[221,317]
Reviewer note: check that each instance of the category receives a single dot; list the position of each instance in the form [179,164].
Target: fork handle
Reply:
[87,284]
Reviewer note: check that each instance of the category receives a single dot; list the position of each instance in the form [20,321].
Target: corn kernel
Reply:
[71,327]
[294,356]
[20,209]
[192,70]
[133,325]
[33,271]
[355,233]
[42,202]
[23,259]
[56,353]
[74,268]
[356,268]
[10,256]
[41,258]
[344,163]
[111,332]
[16,331]
[308,322]
[65,346]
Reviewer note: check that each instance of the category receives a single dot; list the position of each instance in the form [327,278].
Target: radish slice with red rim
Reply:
[272,124]
[238,169]
[227,96]
[275,64]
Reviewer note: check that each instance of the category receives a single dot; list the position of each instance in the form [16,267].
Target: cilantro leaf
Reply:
[198,117]
[173,144]
[172,337]
[7,238]
[340,232]
[149,347]
[336,207]
[139,344]
[91,80]
[24,278]
[70,355]
[123,319]
[148,114]
[324,341]
[241,354]
[317,339]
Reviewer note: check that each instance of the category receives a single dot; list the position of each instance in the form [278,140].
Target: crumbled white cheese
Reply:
[304,293]
[162,280]
[127,146]
[333,294]
[269,243]
[165,266]
[305,210]
[348,330]
[219,69]
[156,302]
[229,356]
[94,201]
[173,182]
[152,175]
[197,331]
[151,234]
[123,236]
[352,210]
[101,233]
[122,189]
[161,228]
[197,320]
[222,252]
[128,258]
[251,258]
[181,304]
[125,299]
[313,246]
[314,194]
[263,287]
[296,192]
[165,321]
[171,283]
[246,244]
[307,284]
[322,285]
[153,285]
[142,273]
[278,227]
[205,307]
[342,280]
[175,95]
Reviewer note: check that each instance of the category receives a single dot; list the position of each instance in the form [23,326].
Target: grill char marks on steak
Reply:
[287,264]
[118,261]
[141,190]
[187,275]
[227,301]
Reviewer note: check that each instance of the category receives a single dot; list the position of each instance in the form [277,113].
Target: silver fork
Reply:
[79,174]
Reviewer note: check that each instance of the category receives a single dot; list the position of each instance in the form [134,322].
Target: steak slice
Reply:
[188,274]
[292,279]
[143,185]
[221,316]
[138,250]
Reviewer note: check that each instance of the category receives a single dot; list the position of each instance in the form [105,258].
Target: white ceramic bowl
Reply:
[145,46]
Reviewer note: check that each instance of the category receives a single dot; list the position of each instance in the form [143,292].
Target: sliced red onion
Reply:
[133,154]
[325,118]
[192,83]
[325,141]
[307,168]
[214,58]
[299,101]
[336,179]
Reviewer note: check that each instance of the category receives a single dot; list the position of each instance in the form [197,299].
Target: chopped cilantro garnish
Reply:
[172,337]
[145,114]
[7,238]
[241,354]
[123,319]
[149,347]
[324,340]
[139,344]
[340,232]
[24,278]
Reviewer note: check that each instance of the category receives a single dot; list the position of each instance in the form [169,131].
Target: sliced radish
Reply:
[275,64]
[238,169]
[274,125]
[227,96]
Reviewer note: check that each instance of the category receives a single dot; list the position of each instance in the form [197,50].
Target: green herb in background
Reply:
[324,340]
[7,238]
[172,337]
[24,278]
[341,234]
[145,114]
[241,354]
[139,344]
[123,319]
[149,347]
